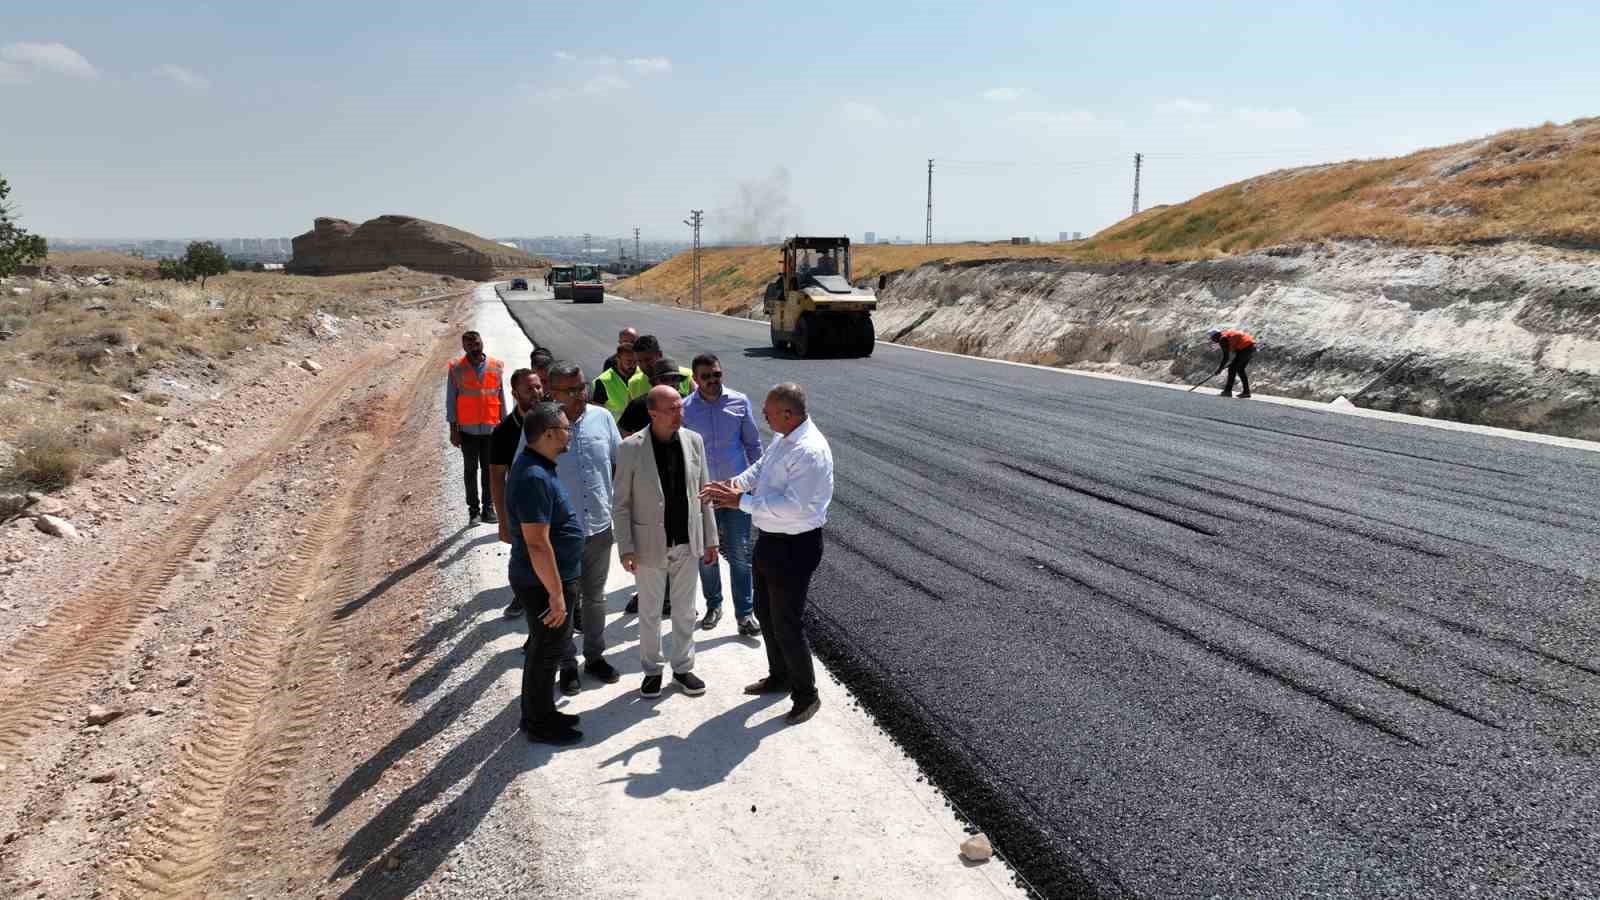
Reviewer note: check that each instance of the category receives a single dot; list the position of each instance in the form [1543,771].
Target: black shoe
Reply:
[489,518]
[1228,394]
[803,711]
[690,682]
[552,732]
[767,686]
[713,616]
[473,518]
[558,717]
[513,610]
[651,686]
[1244,396]
[569,682]
[632,608]
[749,627]
[602,670]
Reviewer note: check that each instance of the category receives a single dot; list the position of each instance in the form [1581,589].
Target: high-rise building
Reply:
[872,237]
[1065,236]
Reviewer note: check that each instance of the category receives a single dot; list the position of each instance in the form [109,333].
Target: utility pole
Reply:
[1138,162]
[695,220]
[928,238]
[637,259]
[586,247]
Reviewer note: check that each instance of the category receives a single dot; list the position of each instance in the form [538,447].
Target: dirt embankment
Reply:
[1506,336]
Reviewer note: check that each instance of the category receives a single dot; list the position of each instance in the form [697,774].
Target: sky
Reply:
[507,119]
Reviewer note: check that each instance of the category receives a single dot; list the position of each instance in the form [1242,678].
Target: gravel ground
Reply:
[1166,644]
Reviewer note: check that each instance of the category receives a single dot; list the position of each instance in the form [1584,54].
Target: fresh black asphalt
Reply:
[1160,644]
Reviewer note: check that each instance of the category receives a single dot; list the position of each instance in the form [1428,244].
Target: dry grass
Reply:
[77,353]
[1540,185]
[88,262]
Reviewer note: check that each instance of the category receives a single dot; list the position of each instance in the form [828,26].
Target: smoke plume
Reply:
[760,209]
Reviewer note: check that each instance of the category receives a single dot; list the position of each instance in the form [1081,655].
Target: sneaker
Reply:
[749,627]
[513,610]
[552,733]
[767,686]
[713,616]
[602,670]
[803,711]
[690,682]
[489,518]
[473,518]
[632,608]
[569,682]
[651,686]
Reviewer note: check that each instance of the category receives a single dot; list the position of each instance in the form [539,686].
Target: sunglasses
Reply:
[711,376]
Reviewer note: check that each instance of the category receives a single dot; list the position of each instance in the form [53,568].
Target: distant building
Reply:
[1021,240]
[872,237]
[1065,236]
[1077,235]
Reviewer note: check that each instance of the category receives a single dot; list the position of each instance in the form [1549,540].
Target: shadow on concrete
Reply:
[446,629]
[401,574]
[703,757]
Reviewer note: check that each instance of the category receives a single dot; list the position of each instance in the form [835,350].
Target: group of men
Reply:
[665,465]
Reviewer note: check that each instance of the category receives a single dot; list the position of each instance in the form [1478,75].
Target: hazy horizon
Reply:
[172,120]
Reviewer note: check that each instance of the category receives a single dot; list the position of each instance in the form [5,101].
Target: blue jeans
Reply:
[733,537]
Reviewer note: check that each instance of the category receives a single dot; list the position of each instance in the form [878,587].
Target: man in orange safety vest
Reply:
[1242,346]
[474,403]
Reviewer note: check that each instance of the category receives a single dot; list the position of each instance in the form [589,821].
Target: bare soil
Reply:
[243,581]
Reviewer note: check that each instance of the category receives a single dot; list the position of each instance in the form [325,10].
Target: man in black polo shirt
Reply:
[526,390]
[546,562]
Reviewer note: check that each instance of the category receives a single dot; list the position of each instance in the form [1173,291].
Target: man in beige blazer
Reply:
[664,532]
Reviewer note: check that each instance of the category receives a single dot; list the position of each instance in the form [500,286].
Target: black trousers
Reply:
[542,654]
[475,471]
[783,566]
[1236,366]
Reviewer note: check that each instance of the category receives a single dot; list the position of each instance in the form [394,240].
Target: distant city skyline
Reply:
[167,118]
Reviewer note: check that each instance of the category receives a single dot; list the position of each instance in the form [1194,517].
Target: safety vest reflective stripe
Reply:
[477,400]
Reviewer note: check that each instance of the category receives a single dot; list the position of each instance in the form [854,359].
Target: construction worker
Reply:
[625,336]
[474,404]
[615,386]
[1242,346]
[825,265]
[647,350]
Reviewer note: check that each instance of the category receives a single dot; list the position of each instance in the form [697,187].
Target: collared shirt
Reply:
[586,468]
[450,392]
[534,496]
[789,488]
[728,426]
[674,490]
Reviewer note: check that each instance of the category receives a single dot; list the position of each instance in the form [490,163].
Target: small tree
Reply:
[16,245]
[174,270]
[204,259]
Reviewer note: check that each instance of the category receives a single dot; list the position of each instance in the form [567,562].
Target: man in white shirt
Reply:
[786,492]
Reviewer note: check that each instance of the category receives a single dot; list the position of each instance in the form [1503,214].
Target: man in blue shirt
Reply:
[585,472]
[725,421]
[546,564]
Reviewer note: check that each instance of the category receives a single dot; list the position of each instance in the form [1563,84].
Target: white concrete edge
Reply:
[1531,437]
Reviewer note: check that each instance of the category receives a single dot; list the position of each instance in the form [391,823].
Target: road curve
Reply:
[1167,644]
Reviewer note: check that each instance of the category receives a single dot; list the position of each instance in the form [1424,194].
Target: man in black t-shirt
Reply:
[636,415]
[526,390]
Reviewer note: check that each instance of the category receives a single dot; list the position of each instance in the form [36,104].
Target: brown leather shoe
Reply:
[767,686]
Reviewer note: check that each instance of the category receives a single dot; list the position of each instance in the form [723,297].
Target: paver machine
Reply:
[561,278]
[814,309]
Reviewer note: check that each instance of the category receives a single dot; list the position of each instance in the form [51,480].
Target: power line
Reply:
[695,220]
[928,237]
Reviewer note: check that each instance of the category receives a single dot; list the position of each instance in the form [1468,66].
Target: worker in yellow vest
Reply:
[647,351]
[614,388]
[474,403]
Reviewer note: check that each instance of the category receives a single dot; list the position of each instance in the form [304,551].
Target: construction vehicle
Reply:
[561,281]
[587,285]
[813,308]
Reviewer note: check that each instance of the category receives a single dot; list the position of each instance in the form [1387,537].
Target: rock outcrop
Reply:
[337,247]
[1506,335]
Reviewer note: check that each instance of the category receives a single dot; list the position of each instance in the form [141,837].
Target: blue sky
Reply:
[157,119]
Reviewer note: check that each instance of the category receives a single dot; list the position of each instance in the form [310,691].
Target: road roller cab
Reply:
[814,309]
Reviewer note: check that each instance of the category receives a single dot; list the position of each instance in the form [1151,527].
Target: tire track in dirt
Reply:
[217,822]
[45,671]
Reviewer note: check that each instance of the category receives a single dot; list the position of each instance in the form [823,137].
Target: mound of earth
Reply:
[336,247]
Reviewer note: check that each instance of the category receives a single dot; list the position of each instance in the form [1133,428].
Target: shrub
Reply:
[47,458]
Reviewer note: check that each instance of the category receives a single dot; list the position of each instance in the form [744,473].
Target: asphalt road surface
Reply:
[1164,644]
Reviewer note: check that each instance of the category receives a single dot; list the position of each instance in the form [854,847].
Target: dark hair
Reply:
[646,343]
[520,374]
[541,357]
[704,359]
[543,417]
[564,369]
[467,334]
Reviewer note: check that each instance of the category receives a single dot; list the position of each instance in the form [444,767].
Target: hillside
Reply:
[1539,186]
[335,247]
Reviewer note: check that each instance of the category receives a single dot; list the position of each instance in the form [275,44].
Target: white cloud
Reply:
[1072,119]
[650,65]
[1002,95]
[1287,117]
[58,58]
[564,56]
[1186,106]
[184,78]
[863,114]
